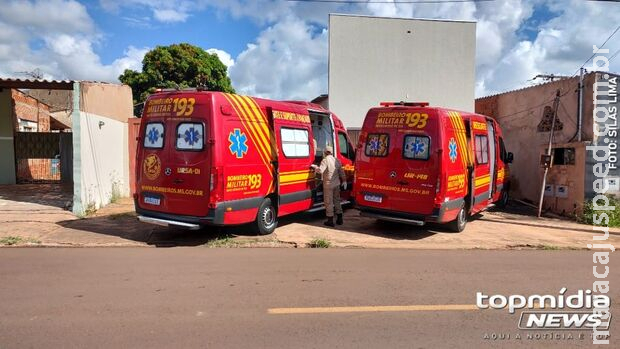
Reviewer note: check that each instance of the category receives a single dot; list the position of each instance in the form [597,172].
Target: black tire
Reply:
[458,225]
[266,218]
[503,199]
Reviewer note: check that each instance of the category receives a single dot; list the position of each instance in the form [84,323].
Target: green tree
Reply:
[178,65]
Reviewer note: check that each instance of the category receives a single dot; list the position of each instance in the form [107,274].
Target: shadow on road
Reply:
[126,226]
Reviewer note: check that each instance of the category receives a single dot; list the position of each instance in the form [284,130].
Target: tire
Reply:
[458,225]
[266,218]
[503,199]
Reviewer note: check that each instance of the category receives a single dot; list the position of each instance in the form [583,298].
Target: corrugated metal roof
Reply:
[545,83]
[36,84]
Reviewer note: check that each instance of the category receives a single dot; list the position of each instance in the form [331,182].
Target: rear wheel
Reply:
[503,199]
[267,218]
[458,225]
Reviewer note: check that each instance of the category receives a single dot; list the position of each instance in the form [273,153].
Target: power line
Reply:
[599,47]
[614,55]
[390,2]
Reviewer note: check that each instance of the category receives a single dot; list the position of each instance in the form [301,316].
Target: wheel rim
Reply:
[268,217]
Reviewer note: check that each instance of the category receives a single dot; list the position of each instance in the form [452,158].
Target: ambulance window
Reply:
[502,150]
[416,147]
[154,135]
[482,150]
[377,144]
[343,144]
[295,143]
[190,136]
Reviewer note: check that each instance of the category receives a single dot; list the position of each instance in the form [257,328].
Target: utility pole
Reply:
[556,103]
[580,110]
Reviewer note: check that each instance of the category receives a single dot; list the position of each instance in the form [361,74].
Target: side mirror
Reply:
[509,158]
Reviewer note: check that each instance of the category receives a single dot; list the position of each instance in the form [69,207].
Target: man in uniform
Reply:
[332,174]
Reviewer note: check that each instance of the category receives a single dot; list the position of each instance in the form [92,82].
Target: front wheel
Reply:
[458,225]
[266,219]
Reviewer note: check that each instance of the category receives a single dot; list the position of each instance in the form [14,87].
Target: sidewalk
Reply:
[36,215]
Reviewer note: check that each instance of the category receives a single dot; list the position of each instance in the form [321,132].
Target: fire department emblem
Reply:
[452,147]
[152,167]
[238,143]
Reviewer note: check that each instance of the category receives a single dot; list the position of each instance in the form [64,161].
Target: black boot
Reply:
[339,219]
[329,222]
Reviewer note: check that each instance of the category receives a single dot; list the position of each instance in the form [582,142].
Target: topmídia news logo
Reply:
[579,311]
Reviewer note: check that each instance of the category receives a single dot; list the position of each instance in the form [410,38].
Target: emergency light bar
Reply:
[407,104]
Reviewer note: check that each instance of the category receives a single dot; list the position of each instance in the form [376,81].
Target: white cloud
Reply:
[224,56]
[56,38]
[287,61]
[164,11]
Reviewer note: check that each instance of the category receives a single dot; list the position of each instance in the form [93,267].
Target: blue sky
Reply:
[135,27]
[278,48]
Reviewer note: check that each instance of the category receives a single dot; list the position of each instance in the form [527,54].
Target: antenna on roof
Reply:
[35,74]
[549,77]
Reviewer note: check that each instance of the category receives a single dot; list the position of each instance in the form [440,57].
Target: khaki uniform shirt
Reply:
[332,171]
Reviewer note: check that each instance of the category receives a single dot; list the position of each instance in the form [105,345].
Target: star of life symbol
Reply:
[374,145]
[153,135]
[452,146]
[418,147]
[191,136]
[238,143]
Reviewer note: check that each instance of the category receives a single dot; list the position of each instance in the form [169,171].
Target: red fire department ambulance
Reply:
[211,158]
[418,164]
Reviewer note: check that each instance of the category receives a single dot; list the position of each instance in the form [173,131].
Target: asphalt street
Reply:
[280,298]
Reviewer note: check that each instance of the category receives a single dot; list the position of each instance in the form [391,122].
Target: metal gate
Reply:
[43,157]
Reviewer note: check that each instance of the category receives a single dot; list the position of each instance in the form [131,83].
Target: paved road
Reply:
[247,298]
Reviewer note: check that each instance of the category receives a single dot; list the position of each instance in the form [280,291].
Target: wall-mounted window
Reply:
[564,156]
[190,136]
[482,149]
[377,144]
[416,147]
[295,143]
[154,135]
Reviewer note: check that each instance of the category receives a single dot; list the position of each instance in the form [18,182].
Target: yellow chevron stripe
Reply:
[451,118]
[259,111]
[460,137]
[467,149]
[252,124]
[246,124]
[269,139]
[261,127]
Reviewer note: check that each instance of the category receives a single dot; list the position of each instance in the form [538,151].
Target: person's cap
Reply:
[329,149]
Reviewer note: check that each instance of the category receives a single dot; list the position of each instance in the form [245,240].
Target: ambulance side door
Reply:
[482,177]
[295,155]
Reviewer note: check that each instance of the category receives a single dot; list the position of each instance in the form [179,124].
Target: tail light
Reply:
[213,180]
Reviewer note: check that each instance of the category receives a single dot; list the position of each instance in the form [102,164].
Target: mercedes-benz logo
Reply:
[168,171]
[393,174]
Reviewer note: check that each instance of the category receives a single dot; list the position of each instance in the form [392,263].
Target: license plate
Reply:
[373,198]
[152,200]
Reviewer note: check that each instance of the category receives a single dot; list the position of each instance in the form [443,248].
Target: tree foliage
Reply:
[177,66]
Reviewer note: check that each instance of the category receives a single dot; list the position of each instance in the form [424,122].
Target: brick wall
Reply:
[28,108]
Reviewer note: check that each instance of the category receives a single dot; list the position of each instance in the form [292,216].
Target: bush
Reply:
[614,215]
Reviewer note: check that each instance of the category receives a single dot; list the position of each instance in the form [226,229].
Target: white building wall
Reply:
[104,160]
[373,59]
